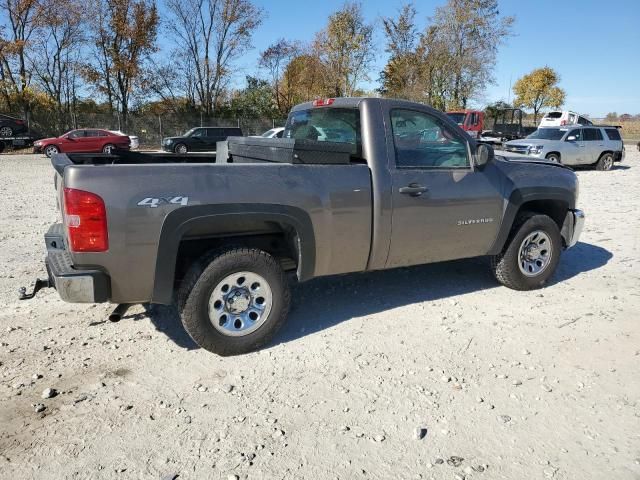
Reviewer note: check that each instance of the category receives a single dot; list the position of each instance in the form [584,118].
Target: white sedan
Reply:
[273,133]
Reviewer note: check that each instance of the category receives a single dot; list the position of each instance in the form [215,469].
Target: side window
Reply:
[592,134]
[583,121]
[572,119]
[232,132]
[423,141]
[77,134]
[613,134]
[576,133]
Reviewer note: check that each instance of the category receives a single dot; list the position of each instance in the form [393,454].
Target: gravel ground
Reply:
[429,372]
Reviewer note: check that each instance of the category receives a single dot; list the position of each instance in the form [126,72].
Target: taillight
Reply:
[323,102]
[86,221]
[563,122]
[19,122]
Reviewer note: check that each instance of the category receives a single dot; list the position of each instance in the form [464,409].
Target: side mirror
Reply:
[484,154]
[571,138]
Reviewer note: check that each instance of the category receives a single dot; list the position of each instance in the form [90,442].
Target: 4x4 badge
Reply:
[156,202]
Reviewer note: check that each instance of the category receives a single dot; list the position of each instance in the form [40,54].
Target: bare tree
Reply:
[275,60]
[213,33]
[56,51]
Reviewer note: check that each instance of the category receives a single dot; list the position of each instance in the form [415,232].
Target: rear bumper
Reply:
[572,227]
[73,285]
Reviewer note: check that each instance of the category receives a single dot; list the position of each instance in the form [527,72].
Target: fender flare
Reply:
[517,199]
[180,221]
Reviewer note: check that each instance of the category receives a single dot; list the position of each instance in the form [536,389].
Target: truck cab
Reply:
[471,121]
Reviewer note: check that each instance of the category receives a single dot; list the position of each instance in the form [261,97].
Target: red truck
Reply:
[507,124]
[471,121]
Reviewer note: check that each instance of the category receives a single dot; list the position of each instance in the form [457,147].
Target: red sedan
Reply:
[82,141]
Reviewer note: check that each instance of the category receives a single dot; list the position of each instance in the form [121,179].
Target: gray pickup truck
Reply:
[355,184]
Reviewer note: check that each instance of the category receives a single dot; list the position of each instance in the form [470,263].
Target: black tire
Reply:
[180,148]
[50,150]
[108,148]
[605,162]
[200,282]
[553,157]
[505,266]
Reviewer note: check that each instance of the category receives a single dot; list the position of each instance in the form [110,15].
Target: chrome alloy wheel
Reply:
[607,162]
[535,253]
[240,304]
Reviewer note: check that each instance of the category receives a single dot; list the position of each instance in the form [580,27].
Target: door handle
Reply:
[413,189]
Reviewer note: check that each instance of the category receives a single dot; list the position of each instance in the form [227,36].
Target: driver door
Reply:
[575,150]
[443,208]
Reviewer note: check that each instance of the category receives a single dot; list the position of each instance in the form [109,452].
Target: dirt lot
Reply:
[518,385]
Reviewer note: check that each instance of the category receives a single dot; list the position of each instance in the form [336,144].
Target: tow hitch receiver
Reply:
[39,285]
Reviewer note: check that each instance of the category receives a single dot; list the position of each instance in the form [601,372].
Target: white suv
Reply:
[559,118]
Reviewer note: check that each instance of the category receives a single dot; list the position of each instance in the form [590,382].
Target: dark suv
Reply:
[199,139]
[10,126]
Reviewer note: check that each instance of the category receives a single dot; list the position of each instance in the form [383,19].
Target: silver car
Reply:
[599,146]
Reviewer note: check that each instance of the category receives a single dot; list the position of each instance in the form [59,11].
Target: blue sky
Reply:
[593,45]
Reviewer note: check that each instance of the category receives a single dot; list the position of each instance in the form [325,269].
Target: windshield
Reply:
[548,133]
[334,125]
[269,133]
[457,117]
[190,132]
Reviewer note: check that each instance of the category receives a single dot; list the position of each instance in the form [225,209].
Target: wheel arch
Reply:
[553,202]
[283,231]
[554,153]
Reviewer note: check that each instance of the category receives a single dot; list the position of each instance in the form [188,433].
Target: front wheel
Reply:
[531,255]
[51,150]
[553,158]
[605,163]
[181,148]
[233,301]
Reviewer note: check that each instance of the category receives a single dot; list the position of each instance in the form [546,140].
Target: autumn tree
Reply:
[15,37]
[123,34]
[304,79]
[537,90]
[213,34]
[345,47]
[401,76]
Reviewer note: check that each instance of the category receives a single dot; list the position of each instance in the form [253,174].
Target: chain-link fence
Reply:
[150,129]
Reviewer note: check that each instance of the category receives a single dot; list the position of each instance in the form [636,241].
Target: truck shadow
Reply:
[325,302]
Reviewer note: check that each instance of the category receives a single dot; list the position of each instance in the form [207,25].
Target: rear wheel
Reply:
[51,150]
[233,301]
[553,157]
[531,255]
[605,162]
[180,148]
[108,148]
[6,131]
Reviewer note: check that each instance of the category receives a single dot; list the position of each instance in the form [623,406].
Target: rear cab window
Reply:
[326,124]
[553,115]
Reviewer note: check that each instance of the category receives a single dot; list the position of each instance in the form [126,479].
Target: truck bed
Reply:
[233,150]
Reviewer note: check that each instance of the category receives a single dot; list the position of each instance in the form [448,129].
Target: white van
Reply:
[557,118]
